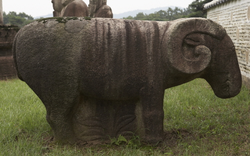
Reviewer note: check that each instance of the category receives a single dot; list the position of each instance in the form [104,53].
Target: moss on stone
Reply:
[61,19]
[44,20]
[87,18]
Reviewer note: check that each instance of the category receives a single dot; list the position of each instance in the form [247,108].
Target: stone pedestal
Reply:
[7,34]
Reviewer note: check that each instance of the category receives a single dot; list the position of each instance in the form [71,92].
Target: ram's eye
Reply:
[191,41]
[194,39]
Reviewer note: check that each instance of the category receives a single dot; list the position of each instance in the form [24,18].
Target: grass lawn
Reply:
[196,123]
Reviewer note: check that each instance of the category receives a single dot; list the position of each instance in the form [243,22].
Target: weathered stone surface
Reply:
[106,77]
[7,68]
[99,8]
[7,35]
[77,8]
[67,8]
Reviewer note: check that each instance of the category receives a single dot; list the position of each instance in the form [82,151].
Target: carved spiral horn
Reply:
[199,57]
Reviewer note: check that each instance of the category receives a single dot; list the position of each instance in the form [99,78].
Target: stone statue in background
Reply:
[66,8]
[102,78]
[99,8]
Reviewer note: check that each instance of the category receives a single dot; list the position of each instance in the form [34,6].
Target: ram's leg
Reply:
[125,118]
[152,114]
[60,112]
[61,98]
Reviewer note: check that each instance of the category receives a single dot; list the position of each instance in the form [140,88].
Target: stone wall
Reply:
[7,68]
[235,17]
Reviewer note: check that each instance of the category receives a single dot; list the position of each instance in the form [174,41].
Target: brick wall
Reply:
[234,16]
[7,68]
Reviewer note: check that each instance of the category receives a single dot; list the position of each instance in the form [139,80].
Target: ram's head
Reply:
[202,48]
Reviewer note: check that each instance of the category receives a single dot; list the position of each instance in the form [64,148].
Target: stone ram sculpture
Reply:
[103,78]
[78,8]
[99,8]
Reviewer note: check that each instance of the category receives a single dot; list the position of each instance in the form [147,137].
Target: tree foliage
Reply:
[161,15]
[195,9]
[21,19]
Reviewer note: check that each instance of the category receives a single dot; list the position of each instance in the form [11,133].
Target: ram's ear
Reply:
[186,44]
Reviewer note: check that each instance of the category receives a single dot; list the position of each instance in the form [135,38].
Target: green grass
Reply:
[196,123]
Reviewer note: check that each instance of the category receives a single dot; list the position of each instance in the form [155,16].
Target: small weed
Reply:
[119,141]
[134,142]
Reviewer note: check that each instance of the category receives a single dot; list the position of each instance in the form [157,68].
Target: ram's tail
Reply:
[14,56]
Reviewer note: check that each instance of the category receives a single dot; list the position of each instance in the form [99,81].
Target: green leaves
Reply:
[120,140]
[21,19]
[195,9]
[134,142]
[161,15]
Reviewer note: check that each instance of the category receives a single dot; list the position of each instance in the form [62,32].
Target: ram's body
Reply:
[118,56]
[67,60]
